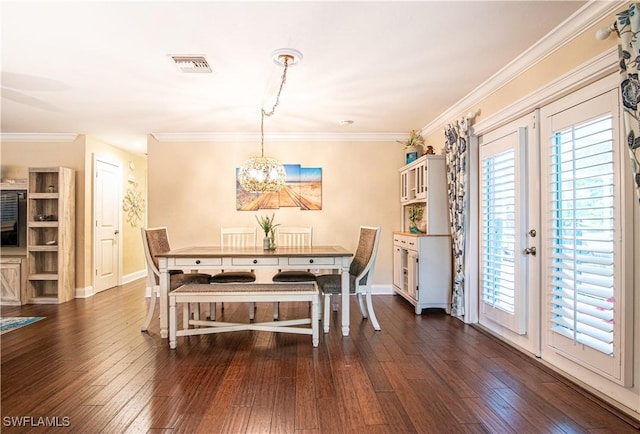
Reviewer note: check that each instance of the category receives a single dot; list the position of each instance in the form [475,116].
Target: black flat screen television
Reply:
[12,218]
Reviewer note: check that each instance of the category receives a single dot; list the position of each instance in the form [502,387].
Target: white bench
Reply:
[243,292]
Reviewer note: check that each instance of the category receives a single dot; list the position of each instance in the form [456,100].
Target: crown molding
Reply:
[284,137]
[564,33]
[38,137]
[602,65]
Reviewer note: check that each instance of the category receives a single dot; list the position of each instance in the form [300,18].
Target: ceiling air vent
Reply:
[191,63]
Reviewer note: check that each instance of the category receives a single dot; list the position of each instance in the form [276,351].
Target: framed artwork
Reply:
[303,189]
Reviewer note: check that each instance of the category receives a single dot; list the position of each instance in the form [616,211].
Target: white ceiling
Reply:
[102,68]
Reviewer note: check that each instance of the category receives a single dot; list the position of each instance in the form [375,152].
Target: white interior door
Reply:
[107,186]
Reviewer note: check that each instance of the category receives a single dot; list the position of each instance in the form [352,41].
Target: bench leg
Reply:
[315,325]
[327,309]
[212,311]
[252,310]
[173,322]
[185,315]
[276,306]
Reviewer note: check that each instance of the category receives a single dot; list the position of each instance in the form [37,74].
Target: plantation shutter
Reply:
[582,228]
[502,276]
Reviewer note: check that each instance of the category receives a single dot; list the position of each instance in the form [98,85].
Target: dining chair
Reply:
[235,237]
[156,241]
[360,277]
[292,236]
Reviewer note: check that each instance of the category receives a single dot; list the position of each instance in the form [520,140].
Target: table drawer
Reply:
[311,261]
[193,262]
[254,262]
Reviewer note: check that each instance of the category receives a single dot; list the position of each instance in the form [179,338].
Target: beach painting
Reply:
[302,189]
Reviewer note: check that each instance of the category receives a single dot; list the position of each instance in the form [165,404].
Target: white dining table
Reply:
[215,258]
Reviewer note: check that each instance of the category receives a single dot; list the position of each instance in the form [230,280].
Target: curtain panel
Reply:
[456,139]
[628,27]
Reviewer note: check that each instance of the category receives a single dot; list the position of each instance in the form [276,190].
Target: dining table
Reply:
[211,259]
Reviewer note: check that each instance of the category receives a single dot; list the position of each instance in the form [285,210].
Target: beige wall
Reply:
[578,51]
[17,157]
[192,191]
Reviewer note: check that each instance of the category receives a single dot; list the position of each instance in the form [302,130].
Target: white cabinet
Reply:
[422,269]
[423,183]
[422,261]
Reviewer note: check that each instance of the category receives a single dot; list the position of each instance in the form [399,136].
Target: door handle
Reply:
[116,232]
[530,251]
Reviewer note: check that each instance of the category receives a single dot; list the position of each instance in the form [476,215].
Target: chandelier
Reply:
[263,174]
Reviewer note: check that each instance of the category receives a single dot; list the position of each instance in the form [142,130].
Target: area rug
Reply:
[11,323]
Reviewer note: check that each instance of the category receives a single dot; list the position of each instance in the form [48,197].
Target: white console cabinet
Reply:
[422,269]
[422,261]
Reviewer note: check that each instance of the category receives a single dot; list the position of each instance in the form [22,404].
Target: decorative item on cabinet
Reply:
[413,146]
[415,215]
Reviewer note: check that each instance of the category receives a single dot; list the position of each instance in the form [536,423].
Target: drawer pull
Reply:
[311,261]
[255,261]
[197,261]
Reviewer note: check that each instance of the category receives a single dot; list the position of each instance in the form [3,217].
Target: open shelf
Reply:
[50,235]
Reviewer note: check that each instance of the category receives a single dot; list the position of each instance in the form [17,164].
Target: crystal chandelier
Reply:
[263,174]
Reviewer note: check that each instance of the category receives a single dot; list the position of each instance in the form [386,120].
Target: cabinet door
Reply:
[397,267]
[10,287]
[404,186]
[421,180]
[412,271]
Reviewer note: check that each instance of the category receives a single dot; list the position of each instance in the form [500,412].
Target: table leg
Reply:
[345,297]
[164,297]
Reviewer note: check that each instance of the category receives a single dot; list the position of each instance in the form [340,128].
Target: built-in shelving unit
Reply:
[50,235]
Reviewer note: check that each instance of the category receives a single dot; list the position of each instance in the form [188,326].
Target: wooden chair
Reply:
[292,236]
[156,241]
[360,277]
[235,237]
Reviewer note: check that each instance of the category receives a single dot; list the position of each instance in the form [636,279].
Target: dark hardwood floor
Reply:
[89,369]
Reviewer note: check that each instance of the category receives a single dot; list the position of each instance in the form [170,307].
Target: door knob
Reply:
[116,232]
[530,251]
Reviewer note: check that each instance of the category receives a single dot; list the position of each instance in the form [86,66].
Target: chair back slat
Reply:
[238,237]
[294,236]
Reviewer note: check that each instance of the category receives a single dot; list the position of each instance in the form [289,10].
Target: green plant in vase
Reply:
[269,227]
[415,213]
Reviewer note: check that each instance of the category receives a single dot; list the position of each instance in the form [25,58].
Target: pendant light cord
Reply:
[273,109]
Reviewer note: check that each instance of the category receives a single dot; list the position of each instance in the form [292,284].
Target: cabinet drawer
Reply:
[193,262]
[251,262]
[311,261]
[410,243]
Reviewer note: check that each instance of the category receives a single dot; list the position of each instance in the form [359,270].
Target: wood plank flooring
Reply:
[88,369]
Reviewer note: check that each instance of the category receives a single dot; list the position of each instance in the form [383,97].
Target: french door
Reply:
[508,222]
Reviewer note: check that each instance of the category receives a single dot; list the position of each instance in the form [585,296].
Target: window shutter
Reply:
[582,228]
[498,236]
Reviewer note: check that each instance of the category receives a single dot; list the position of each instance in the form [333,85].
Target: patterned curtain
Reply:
[456,158]
[628,27]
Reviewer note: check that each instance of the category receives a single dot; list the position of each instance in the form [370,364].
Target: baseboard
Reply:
[128,278]
[386,289]
[85,292]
